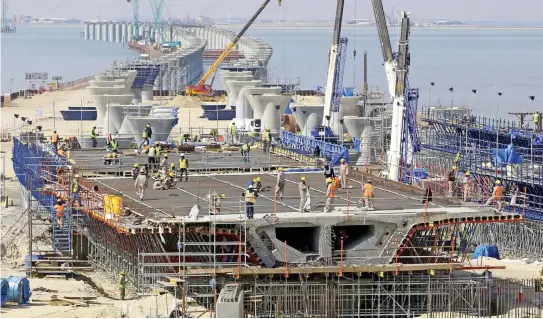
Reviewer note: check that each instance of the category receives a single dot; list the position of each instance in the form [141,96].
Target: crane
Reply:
[156,6]
[403,132]
[204,89]
[136,11]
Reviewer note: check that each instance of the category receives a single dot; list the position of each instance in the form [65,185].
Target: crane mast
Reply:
[386,48]
[332,81]
[136,12]
[201,87]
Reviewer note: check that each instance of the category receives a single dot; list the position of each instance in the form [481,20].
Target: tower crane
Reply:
[156,6]
[404,139]
[205,89]
[332,95]
[136,11]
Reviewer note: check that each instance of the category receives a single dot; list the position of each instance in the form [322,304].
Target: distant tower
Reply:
[5,27]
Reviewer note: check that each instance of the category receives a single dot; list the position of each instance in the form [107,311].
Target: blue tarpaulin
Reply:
[506,156]
[486,251]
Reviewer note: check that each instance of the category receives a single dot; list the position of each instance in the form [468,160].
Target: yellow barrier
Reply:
[113,204]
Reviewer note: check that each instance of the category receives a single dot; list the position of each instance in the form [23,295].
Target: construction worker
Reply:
[280,185]
[330,194]
[451,179]
[234,133]
[303,188]
[467,186]
[164,162]
[172,168]
[537,121]
[343,173]
[264,140]
[158,152]
[114,145]
[183,168]
[93,136]
[497,194]
[268,140]
[215,202]
[146,135]
[245,150]
[75,190]
[151,157]
[135,171]
[428,195]
[122,285]
[59,213]
[141,183]
[368,195]
[257,183]
[250,200]
[54,141]
[328,173]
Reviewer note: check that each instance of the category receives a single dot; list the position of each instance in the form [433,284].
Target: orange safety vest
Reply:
[498,192]
[368,190]
[333,191]
[54,138]
[59,210]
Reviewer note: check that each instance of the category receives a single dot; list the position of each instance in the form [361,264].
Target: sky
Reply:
[462,10]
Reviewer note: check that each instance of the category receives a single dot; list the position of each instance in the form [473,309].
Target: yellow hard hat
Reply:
[123,273]
[468,173]
[172,174]
[280,169]
[329,180]
[108,155]
[303,178]
[165,155]
[342,160]
[454,168]
[223,196]
[498,182]
[156,143]
[136,165]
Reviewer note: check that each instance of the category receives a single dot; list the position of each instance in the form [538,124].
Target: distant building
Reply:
[203,20]
[56,21]
[360,22]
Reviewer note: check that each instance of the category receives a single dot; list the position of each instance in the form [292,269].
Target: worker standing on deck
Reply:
[264,138]
[451,178]
[368,195]
[303,188]
[135,171]
[245,150]
[268,140]
[114,145]
[158,152]
[280,185]
[75,190]
[330,194]
[497,194]
[122,285]
[328,172]
[141,183]
[183,168]
[146,135]
[54,141]
[164,162]
[59,213]
[234,133]
[467,186]
[151,157]
[250,200]
[94,136]
[537,121]
[343,173]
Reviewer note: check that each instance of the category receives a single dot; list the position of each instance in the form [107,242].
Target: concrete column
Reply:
[124,33]
[86,30]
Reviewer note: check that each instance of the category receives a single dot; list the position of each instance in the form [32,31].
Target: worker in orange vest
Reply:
[59,213]
[497,194]
[330,194]
[54,140]
[368,195]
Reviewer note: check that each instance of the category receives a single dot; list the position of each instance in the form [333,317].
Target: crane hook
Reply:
[279,1]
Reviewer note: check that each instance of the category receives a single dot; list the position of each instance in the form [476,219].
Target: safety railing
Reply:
[307,145]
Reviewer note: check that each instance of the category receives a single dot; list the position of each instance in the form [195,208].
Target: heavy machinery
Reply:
[403,137]
[136,11]
[201,88]
[333,93]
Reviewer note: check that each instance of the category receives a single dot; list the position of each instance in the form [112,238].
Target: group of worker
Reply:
[60,206]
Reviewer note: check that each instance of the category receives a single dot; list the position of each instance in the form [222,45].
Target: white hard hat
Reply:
[250,186]
[76,175]
[182,154]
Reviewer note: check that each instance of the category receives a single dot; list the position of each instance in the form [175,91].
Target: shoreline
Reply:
[330,26]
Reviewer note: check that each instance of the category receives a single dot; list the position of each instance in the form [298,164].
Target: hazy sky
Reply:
[465,10]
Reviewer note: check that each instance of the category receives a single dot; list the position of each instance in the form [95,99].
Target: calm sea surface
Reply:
[489,61]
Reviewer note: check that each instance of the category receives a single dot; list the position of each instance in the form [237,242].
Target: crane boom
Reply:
[331,83]
[136,11]
[386,48]
[201,87]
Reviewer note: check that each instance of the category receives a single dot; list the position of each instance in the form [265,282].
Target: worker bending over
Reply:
[257,184]
[330,194]
[497,194]
[343,173]
[250,200]
[245,150]
[368,195]
[141,183]
[304,191]
[183,168]
[280,185]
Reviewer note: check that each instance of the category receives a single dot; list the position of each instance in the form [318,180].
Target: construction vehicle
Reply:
[206,89]
[333,93]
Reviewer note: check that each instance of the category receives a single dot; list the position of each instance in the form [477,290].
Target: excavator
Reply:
[201,88]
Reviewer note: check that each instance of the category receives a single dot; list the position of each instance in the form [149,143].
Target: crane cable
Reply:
[282,39]
[354,45]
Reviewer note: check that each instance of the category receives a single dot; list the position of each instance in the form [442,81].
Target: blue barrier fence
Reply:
[307,145]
